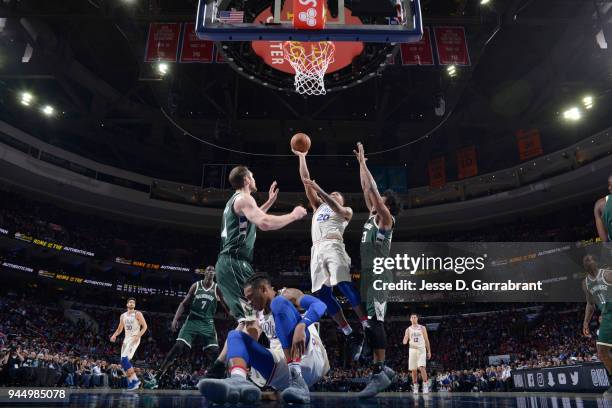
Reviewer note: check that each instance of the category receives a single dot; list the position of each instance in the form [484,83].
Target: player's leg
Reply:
[286,318]
[127,352]
[604,343]
[242,351]
[413,368]
[176,351]
[423,372]
[231,275]
[354,339]
[338,265]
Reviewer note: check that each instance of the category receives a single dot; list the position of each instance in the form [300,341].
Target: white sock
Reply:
[347,330]
[238,372]
[133,377]
[295,365]
[365,323]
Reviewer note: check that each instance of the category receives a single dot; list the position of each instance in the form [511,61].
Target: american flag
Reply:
[231,16]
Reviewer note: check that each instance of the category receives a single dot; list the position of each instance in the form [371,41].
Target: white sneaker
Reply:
[415,388]
[425,388]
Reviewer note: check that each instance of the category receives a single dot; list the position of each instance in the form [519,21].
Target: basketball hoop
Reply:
[310,66]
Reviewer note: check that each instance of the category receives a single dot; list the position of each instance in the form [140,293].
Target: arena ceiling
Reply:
[529,60]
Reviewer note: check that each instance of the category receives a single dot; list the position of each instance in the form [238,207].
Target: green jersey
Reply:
[237,234]
[204,303]
[375,242]
[606,215]
[598,289]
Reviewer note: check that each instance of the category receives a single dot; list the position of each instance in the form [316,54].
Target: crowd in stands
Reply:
[42,345]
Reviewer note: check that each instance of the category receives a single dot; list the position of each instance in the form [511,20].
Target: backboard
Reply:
[234,20]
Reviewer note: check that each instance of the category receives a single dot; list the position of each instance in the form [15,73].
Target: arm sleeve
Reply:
[315,309]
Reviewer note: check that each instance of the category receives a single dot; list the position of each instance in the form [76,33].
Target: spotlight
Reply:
[26,98]
[48,110]
[572,114]
[452,70]
[483,2]
[162,68]
[588,102]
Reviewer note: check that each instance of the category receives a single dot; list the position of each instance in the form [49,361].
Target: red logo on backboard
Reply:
[309,14]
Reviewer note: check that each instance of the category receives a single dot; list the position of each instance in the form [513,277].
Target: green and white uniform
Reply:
[233,266]
[601,294]
[200,321]
[606,215]
[375,243]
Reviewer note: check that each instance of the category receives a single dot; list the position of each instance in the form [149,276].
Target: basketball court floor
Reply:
[192,399]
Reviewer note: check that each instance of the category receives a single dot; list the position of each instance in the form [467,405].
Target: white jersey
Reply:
[266,322]
[415,334]
[327,224]
[131,324]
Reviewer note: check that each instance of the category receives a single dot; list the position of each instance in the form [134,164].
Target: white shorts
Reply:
[129,346]
[329,264]
[314,367]
[417,357]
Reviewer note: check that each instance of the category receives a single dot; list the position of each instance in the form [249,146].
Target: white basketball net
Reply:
[310,67]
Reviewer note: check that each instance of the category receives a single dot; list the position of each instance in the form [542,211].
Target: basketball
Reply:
[300,142]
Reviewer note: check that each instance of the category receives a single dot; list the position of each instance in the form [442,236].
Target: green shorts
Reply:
[195,328]
[232,274]
[604,335]
[375,300]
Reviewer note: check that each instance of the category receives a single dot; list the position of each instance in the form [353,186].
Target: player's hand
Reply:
[113,338]
[585,330]
[299,154]
[174,325]
[298,212]
[429,355]
[360,154]
[298,348]
[273,192]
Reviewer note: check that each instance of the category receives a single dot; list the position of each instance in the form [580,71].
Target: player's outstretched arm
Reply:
[143,324]
[370,190]
[589,309]
[313,198]
[117,331]
[182,306]
[345,212]
[272,196]
[598,212]
[245,204]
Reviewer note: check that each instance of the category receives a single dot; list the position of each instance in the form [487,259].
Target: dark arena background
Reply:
[127,258]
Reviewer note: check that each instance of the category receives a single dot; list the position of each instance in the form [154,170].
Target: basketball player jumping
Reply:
[202,301]
[595,286]
[603,215]
[420,351]
[134,324]
[295,360]
[329,263]
[376,243]
[238,230]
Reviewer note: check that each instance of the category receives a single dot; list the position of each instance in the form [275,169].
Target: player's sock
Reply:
[133,377]
[238,371]
[365,322]
[295,365]
[347,330]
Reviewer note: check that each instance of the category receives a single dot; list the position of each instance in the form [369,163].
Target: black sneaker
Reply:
[354,344]
[216,370]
